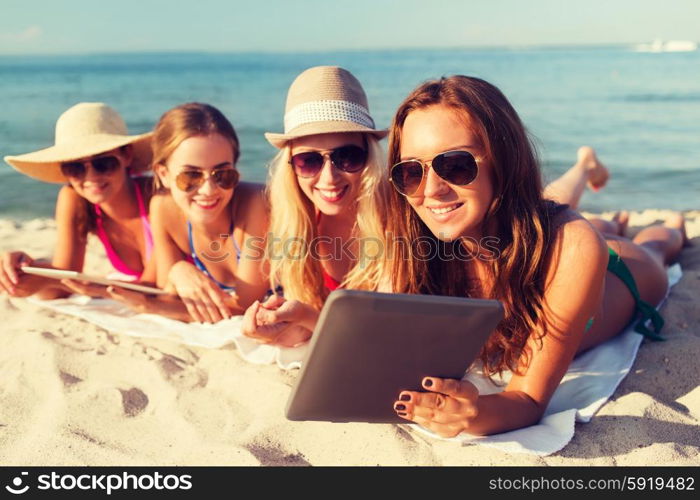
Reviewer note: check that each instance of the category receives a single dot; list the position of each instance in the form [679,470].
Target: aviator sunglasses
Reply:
[348,158]
[189,180]
[104,165]
[456,167]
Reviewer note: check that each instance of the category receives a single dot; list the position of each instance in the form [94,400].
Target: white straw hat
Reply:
[324,100]
[84,130]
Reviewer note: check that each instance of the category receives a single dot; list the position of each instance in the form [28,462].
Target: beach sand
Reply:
[73,394]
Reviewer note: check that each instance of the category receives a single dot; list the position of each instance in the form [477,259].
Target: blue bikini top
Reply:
[200,265]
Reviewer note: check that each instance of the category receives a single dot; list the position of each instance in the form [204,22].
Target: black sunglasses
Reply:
[348,158]
[104,165]
[456,167]
[225,178]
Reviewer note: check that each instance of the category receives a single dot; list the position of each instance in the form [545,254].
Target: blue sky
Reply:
[85,26]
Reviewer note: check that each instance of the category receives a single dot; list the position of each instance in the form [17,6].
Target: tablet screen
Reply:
[369,346]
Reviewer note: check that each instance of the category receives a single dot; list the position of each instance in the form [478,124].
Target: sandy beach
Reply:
[74,394]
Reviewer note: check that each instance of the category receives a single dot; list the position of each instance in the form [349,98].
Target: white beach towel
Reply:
[115,317]
[587,385]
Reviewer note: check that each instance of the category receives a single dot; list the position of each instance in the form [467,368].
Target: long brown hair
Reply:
[519,218]
[192,119]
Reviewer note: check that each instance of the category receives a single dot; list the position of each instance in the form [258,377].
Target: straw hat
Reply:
[86,129]
[323,100]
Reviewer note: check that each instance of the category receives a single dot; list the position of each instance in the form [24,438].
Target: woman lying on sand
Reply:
[463,169]
[328,189]
[208,227]
[98,161]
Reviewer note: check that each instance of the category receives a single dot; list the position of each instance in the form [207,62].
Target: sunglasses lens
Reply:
[456,167]
[226,178]
[105,164]
[187,180]
[307,164]
[73,169]
[349,158]
[407,176]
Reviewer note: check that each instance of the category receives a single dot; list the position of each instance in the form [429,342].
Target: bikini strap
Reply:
[647,312]
[112,255]
[200,265]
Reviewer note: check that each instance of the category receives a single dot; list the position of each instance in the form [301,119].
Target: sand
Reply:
[73,394]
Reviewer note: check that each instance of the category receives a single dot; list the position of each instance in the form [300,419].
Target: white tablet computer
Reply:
[369,346]
[60,274]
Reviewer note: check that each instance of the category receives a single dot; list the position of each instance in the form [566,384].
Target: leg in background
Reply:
[588,171]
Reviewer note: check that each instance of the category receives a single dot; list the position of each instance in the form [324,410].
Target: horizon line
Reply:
[514,47]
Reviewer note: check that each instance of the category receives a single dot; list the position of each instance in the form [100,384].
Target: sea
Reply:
[639,109]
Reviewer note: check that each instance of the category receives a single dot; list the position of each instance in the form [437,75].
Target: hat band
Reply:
[327,111]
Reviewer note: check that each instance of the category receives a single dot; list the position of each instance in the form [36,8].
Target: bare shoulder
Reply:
[162,203]
[69,203]
[576,244]
[68,195]
[165,213]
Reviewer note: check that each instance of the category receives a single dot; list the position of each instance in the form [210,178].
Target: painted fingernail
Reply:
[399,407]
[427,382]
[405,397]
[402,414]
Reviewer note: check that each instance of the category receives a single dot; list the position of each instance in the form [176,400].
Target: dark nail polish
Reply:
[427,383]
[400,407]
[402,414]
[405,397]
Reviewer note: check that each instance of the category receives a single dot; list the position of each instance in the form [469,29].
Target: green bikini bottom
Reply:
[646,311]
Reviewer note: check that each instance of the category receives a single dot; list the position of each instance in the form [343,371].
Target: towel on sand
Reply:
[587,385]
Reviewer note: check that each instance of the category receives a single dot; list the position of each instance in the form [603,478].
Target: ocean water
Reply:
[641,111]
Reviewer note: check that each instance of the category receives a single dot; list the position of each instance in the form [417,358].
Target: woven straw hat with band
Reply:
[324,100]
[84,130]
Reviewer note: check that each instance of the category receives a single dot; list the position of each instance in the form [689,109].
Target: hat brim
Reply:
[316,128]
[45,164]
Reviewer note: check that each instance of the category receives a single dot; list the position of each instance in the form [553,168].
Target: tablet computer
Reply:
[369,346]
[61,274]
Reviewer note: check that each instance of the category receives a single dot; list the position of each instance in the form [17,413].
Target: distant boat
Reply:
[659,45]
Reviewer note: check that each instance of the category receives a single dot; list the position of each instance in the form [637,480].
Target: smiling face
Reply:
[332,191]
[449,211]
[199,154]
[99,188]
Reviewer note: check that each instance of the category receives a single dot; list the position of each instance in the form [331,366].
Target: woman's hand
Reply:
[447,409]
[288,323]
[11,273]
[204,300]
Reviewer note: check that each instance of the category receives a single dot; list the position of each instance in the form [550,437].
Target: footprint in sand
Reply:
[182,374]
[270,454]
[134,401]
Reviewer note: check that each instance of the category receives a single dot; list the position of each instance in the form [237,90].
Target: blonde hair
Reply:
[293,227]
[192,119]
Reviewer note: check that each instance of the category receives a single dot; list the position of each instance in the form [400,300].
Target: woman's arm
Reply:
[204,301]
[573,294]
[164,215]
[69,253]
[252,273]
[166,305]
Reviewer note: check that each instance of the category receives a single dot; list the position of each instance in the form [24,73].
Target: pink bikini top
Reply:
[329,281]
[124,272]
